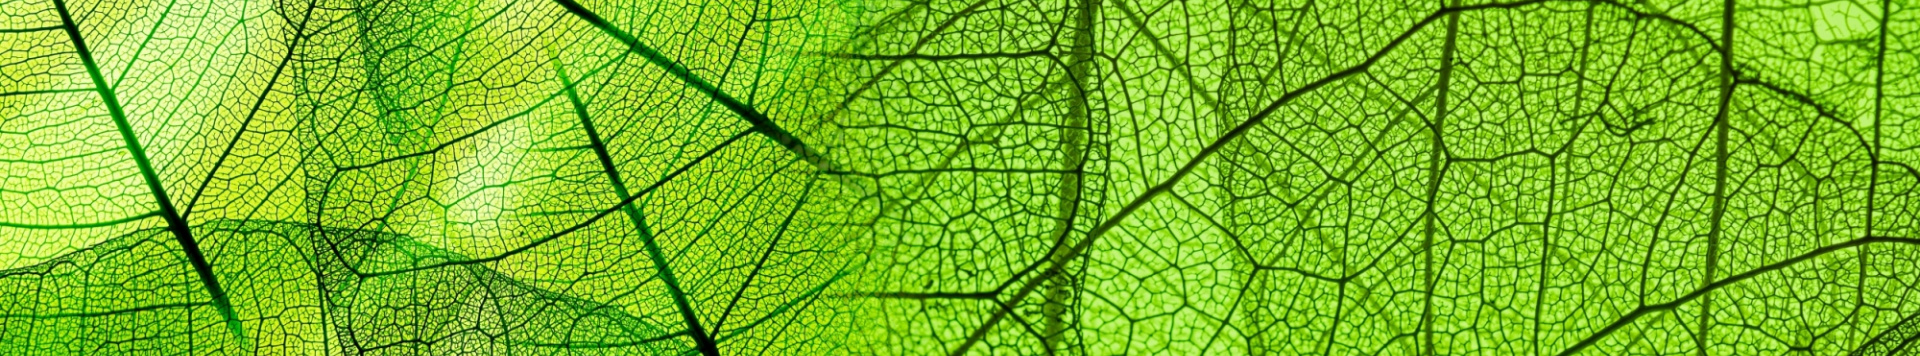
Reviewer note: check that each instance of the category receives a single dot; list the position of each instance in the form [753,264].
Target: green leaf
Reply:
[823,177]
[1361,177]
[417,177]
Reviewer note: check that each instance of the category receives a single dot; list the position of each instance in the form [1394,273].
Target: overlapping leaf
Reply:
[971,176]
[1360,177]
[416,177]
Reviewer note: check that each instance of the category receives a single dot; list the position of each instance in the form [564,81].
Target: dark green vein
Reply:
[1437,164]
[605,345]
[701,339]
[1645,309]
[938,57]
[151,33]
[182,233]
[1719,213]
[80,225]
[767,253]
[804,300]
[1889,336]
[299,33]
[911,51]
[761,123]
[29,29]
[103,313]
[42,92]
[1063,288]
[1873,152]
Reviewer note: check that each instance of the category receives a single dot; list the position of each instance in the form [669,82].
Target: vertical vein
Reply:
[1873,153]
[1879,96]
[1119,216]
[1062,287]
[1719,172]
[1437,169]
[182,233]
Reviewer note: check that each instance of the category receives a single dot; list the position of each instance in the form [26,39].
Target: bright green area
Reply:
[826,177]
[414,177]
[1380,177]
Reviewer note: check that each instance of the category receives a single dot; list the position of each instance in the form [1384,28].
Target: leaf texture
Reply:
[417,177]
[1359,178]
[825,177]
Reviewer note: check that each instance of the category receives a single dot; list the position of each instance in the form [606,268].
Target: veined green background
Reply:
[413,177]
[959,177]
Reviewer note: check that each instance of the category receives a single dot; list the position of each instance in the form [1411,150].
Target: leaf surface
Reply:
[415,177]
[959,177]
[1360,177]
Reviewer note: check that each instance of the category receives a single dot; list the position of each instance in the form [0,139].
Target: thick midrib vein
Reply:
[182,233]
[761,123]
[701,339]
[1719,213]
